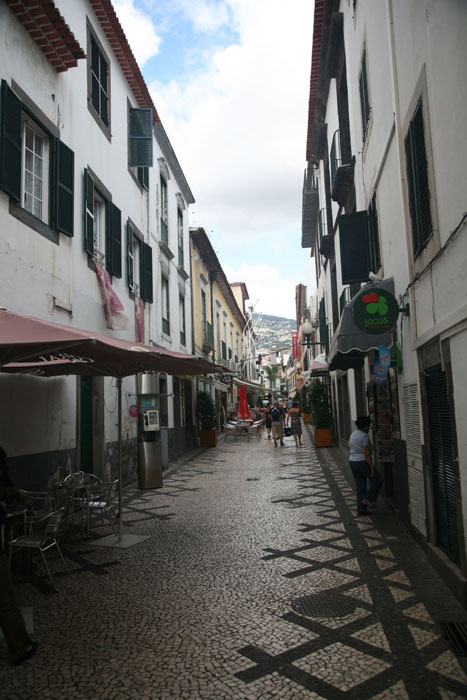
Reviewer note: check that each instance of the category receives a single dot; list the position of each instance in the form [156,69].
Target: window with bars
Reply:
[364,95]
[418,184]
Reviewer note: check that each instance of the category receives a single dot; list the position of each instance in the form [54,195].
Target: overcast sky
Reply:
[230,81]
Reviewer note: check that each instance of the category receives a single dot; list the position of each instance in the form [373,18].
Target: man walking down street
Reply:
[277,419]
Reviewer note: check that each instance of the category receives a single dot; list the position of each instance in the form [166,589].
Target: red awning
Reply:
[58,349]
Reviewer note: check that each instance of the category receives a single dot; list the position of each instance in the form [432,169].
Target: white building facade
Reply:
[384,194]
[87,175]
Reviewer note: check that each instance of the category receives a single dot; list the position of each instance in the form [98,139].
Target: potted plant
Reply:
[320,408]
[306,405]
[207,418]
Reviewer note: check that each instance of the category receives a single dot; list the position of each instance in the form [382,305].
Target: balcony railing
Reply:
[208,337]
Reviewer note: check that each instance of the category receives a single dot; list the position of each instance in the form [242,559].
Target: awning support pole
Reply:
[120,500]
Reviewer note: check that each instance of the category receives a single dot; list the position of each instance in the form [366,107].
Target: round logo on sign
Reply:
[133,410]
[375,311]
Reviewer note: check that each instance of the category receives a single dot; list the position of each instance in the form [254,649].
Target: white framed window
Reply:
[35,179]
[165,305]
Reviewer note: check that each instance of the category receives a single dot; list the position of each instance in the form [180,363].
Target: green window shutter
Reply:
[141,138]
[373,236]
[130,260]
[88,213]
[354,247]
[323,329]
[113,253]
[10,143]
[146,273]
[417,178]
[64,189]
[143,177]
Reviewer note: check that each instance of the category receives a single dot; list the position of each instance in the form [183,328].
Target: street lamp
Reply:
[307,330]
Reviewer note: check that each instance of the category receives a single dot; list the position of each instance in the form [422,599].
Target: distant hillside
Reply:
[272,332]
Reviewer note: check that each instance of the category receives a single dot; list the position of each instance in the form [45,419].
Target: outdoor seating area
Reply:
[63,512]
[244,428]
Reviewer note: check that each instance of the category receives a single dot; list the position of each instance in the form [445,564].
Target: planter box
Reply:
[307,417]
[323,437]
[208,438]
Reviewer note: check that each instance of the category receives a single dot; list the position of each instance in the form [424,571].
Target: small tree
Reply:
[271,374]
[319,400]
[207,415]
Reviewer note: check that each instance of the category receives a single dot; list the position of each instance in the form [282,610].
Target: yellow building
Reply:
[218,322]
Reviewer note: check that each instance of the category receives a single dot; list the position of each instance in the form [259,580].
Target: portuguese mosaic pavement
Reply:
[257,581]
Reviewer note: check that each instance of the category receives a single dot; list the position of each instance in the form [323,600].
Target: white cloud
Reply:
[206,16]
[139,30]
[237,123]
[239,127]
[269,292]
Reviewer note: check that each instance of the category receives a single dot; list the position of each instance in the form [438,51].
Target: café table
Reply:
[15,515]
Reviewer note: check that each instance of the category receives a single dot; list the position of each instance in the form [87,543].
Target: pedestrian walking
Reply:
[277,423]
[362,466]
[19,643]
[295,414]
[268,421]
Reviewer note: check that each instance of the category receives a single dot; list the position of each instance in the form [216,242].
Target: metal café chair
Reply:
[103,504]
[44,540]
[83,487]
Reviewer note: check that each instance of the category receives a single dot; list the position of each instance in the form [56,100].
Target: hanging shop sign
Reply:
[375,311]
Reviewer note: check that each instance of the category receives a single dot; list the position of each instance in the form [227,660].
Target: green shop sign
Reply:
[375,311]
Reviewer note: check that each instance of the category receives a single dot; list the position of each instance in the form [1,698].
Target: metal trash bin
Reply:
[150,465]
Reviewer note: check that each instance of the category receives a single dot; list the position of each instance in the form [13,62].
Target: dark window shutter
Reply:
[88,213]
[146,273]
[10,143]
[141,138]
[113,253]
[444,476]
[373,236]
[364,100]
[129,254]
[64,189]
[355,258]
[323,326]
[417,177]
[143,177]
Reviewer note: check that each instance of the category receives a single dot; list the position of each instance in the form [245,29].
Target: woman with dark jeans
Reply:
[362,467]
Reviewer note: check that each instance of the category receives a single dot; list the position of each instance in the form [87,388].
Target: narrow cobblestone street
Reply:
[257,582]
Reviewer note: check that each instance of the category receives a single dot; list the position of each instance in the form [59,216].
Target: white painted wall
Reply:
[35,273]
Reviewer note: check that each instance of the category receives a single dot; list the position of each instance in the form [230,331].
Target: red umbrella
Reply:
[243,409]
[32,346]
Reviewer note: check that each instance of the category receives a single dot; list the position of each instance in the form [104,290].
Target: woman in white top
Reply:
[362,466]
